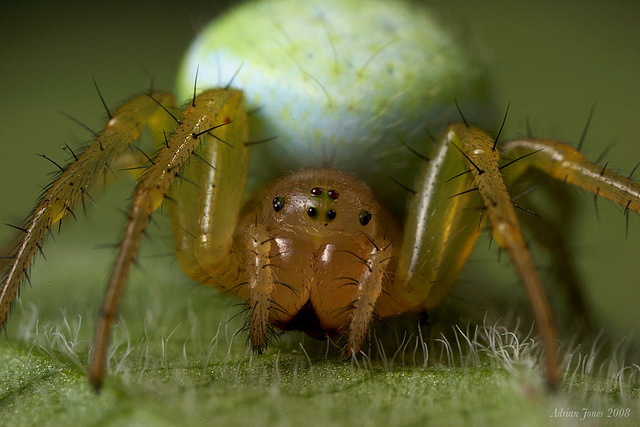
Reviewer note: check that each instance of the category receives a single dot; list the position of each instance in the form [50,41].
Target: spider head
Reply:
[322,201]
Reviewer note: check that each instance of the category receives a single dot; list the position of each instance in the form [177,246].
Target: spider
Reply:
[315,249]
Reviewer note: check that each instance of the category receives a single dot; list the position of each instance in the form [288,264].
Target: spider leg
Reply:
[448,211]
[207,111]
[72,184]
[261,284]
[206,205]
[565,164]
[569,165]
[479,150]
[445,222]
[368,291]
[552,229]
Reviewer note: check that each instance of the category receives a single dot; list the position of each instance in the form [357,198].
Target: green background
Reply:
[552,60]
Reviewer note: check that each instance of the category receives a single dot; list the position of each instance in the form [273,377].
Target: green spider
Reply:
[315,250]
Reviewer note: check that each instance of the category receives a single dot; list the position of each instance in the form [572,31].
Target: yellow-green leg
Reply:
[75,182]
[211,115]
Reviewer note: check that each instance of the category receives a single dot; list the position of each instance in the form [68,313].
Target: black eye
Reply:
[316,191]
[312,212]
[365,217]
[278,203]
[331,214]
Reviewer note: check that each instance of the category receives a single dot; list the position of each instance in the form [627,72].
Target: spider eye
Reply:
[316,191]
[333,194]
[312,212]
[365,217]
[331,214]
[278,203]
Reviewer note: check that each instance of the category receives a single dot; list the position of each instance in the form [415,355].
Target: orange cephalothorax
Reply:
[318,246]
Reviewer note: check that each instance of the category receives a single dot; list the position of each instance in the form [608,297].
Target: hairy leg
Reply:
[74,183]
[206,113]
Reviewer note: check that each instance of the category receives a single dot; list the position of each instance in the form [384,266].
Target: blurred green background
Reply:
[552,60]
